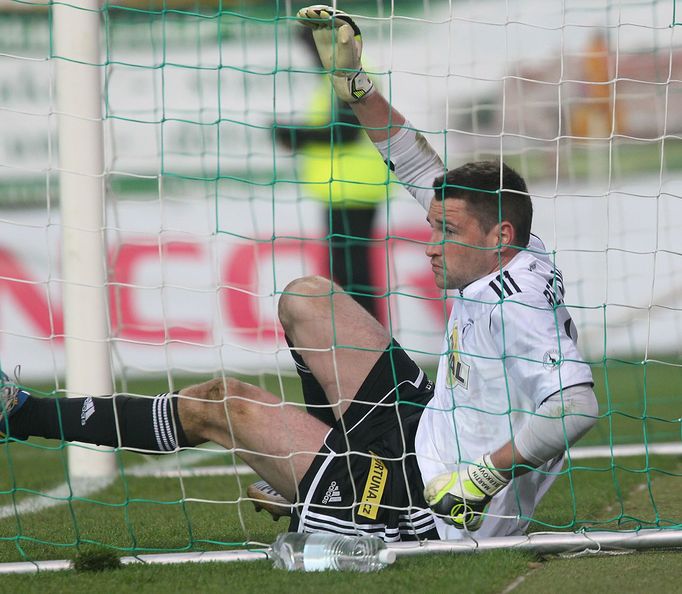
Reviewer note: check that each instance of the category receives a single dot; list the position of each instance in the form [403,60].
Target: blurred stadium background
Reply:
[206,220]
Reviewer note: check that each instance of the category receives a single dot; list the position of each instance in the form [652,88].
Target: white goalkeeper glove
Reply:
[339,43]
[461,498]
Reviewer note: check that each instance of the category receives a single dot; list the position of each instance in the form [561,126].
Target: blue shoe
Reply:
[12,398]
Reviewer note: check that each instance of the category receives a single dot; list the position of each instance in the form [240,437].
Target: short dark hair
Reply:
[491,197]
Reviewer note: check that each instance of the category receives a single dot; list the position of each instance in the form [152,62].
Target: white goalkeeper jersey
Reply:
[510,344]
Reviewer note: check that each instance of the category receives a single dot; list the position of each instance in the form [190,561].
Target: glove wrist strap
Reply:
[486,477]
[359,85]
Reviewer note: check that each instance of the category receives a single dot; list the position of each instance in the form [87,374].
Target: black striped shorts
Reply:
[365,479]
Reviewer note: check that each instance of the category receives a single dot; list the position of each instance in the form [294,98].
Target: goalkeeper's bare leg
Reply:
[336,340]
[335,344]
[278,440]
[339,341]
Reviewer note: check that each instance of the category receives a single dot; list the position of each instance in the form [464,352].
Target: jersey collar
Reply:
[476,286]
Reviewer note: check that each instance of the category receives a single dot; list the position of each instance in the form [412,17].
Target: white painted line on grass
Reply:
[170,466]
[57,496]
[231,470]
[619,451]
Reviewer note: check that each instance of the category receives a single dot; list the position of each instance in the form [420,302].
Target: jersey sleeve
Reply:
[537,343]
[414,161]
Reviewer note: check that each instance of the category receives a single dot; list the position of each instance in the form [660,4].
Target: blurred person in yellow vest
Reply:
[340,167]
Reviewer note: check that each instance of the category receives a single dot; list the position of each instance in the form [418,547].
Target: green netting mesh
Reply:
[219,128]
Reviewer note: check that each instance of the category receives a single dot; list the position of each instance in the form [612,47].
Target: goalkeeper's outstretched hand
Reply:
[339,43]
[461,498]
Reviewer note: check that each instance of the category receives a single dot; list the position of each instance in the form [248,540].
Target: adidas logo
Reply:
[333,494]
[87,411]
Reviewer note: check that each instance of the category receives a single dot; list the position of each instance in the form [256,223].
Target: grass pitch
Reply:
[142,514]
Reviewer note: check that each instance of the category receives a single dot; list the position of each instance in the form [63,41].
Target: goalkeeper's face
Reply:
[460,250]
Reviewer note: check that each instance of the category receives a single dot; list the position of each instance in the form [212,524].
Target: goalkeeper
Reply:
[512,392]
[405,458]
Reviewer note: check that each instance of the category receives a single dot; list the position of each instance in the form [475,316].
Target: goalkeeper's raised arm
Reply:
[339,42]
[507,345]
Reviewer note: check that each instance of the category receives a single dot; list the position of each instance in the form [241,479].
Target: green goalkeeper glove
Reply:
[339,43]
[461,498]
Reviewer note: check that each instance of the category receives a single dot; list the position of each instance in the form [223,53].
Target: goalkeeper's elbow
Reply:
[558,423]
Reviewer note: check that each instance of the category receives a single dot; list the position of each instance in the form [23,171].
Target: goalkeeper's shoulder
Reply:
[526,280]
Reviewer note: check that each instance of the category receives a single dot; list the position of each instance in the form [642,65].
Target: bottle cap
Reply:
[386,556]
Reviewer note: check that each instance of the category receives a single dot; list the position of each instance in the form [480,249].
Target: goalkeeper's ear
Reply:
[506,234]
[503,235]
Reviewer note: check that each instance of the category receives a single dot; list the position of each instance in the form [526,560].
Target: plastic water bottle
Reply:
[319,552]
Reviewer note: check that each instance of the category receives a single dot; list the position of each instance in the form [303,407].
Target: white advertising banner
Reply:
[194,283]
[186,296]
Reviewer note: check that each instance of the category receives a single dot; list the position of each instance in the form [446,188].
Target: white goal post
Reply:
[78,83]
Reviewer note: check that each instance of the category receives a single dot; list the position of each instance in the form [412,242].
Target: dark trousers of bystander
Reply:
[350,232]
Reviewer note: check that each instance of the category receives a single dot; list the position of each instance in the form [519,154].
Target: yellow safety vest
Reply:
[350,174]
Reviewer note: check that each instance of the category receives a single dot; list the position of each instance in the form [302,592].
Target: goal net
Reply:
[208,212]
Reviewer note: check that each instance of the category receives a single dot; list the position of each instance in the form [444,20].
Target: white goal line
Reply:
[578,453]
[621,451]
[172,468]
[168,467]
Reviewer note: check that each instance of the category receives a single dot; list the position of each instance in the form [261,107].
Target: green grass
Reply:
[437,573]
[478,573]
[140,515]
[639,402]
[653,572]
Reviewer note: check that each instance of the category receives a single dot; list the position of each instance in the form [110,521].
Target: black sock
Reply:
[313,394]
[150,424]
